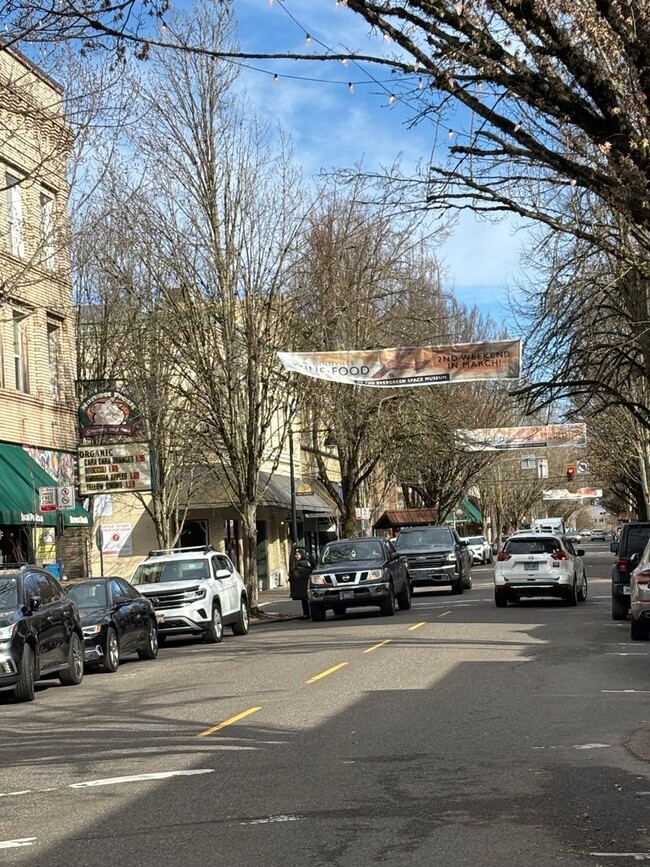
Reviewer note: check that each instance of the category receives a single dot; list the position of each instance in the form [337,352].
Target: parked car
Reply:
[116,621]
[195,591]
[640,598]
[598,535]
[574,536]
[628,548]
[479,548]
[435,556]
[539,564]
[40,631]
[357,572]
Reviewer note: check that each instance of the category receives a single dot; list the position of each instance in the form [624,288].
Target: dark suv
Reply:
[436,556]
[40,631]
[628,549]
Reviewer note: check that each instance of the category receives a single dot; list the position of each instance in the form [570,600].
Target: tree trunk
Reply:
[249,528]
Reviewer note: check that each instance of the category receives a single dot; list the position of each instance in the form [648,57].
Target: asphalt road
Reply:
[452,734]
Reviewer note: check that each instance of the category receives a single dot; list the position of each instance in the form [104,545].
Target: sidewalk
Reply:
[276,603]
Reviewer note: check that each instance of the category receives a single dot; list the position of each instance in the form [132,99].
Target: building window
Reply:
[47,231]
[14,215]
[21,365]
[54,357]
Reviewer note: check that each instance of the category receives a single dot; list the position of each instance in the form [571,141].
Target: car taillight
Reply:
[503,556]
[642,578]
[559,555]
[622,565]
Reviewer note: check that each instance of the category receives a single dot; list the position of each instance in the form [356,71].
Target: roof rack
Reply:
[160,552]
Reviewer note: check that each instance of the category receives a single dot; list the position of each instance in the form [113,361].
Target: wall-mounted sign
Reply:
[47,497]
[109,413]
[124,467]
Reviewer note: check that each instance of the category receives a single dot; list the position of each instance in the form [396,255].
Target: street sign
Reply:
[66,498]
[582,467]
[47,498]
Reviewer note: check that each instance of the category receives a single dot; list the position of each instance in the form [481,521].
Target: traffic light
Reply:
[570,473]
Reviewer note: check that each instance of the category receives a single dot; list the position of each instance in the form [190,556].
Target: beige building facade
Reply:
[37,343]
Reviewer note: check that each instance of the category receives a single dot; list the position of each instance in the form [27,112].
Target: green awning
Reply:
[471,510]
[20,479]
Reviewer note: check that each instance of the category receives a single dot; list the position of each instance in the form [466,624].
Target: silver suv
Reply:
[195,591]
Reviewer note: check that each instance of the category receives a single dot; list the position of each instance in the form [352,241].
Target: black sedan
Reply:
[116,620]
[356,572]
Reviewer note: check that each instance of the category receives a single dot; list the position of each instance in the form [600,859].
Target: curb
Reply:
[638,743]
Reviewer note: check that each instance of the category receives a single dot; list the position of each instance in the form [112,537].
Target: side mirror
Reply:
[613,547]
[580,552]
[464,543]
[35,602]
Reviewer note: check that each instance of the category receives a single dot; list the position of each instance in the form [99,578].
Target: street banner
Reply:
[538,436]
[400,367]
[580,494]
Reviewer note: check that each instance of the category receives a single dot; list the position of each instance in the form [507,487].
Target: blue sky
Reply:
[332,127]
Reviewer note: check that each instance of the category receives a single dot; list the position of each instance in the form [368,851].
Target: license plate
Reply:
[626,591]
[531,567]
[346,594]
[160,618]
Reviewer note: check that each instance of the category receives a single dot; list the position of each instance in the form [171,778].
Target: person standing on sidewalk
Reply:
[300,569]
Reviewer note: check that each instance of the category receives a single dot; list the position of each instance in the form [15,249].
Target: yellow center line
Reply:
[228,722]
[444,613]
[374,647]
[416,626]
[325,673]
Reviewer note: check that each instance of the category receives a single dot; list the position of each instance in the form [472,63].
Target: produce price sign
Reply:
[114,468]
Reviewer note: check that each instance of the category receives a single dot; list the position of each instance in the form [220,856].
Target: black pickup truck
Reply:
[436,556]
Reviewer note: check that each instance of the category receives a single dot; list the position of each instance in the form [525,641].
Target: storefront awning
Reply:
[20,479]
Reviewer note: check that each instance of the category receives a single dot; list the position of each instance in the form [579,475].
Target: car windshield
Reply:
[424,538]
[89,595]
[158,572]
[522,545]
[8,594]
[357,549]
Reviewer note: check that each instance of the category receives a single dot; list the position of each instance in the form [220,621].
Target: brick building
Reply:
[37,354]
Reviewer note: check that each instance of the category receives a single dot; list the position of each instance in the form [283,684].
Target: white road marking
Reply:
[636,856]
[623,653]
[11,794]
[16,844]
[271,819]
[627,691]
[591,746]
[137,778]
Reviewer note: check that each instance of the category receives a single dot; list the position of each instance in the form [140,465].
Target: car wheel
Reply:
[387,607]
[214,633]
[112,656]
[457,587]
[500,599]
[404,598]
[317,612]
[24,689]
[339,610]
[73,673]
[240,626]
[582,592]
[150,650]
[639,630]
[467,581]
[619,608]
[571,598]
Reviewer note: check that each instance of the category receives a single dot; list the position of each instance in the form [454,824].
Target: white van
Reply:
[548,525]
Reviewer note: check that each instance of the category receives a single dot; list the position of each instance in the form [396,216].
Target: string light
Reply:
[420,83]
[517,127]
[450,134]
[391,99]
[350,87]
[573,182]
[345,61]
[387,37]
[308,39]
[460,8]
[276,78]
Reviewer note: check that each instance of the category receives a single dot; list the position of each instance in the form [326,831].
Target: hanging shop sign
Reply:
[540,436]
[109,413]
[123,467]
[423,365]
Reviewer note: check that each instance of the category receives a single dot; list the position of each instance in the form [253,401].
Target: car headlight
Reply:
[89,631]
[195,594]
[451,558]
[8,632]
[318,580]
[376,575]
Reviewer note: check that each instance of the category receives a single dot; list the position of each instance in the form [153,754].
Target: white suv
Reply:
[195,591]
